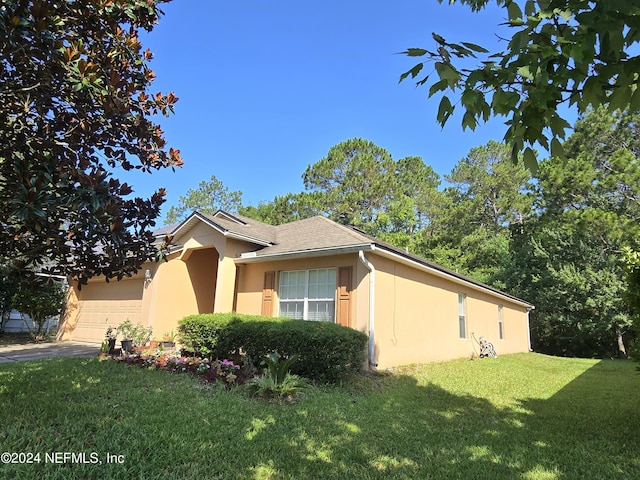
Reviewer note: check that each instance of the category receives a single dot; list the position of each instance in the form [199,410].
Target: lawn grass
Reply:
[22,338]
[524,416]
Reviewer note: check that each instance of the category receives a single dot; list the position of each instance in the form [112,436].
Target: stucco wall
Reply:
[251,282]
[416,313]
[417,317]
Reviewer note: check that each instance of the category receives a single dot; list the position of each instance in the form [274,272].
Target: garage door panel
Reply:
[102,305]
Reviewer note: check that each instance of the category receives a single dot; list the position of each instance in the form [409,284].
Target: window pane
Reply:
[317,297]
[322,311]
[461,297]
[291,309]
[313,277]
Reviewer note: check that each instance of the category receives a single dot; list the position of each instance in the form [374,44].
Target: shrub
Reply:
[277,382]
[327,352]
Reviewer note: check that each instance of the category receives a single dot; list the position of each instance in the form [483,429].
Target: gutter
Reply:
[250,257]
[372,303]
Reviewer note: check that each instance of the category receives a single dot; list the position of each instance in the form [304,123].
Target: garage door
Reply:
[102,304]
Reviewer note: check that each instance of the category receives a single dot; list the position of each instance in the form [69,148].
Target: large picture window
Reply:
[308,294]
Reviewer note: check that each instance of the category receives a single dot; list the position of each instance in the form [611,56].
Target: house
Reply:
[413,310]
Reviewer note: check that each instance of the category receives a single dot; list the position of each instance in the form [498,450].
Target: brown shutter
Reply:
[344,296]
[267,293]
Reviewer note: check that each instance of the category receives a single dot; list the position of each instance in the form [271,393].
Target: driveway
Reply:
[38,351]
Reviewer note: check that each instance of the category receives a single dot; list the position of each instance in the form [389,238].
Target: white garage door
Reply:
[102,304]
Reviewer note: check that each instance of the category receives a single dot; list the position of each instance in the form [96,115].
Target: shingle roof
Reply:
[315,233]
[245,226]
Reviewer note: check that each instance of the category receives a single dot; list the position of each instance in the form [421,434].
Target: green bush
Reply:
[327,352]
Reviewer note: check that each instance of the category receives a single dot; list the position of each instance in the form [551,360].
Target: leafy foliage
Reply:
[40,298]
[568,259]
[8,288]
[136,332]
[277,382]
[327,352]
[570,52]
[487,195]
[358,183]
[209,197]
[74,105]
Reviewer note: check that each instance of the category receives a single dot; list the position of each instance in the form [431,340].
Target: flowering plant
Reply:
[226,371]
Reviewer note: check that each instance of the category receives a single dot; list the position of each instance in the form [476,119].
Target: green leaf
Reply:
[445,109]
[475,48]
[557,150]
[514,11]
[620,98]
[413,72]
[446,72]
[525,72]
[415,52]
[529,159]
[634,103]
[564,14]
[529,8]
[504,102]
[469,120]
[438,86]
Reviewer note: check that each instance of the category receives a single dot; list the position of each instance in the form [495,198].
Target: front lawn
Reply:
[523,416]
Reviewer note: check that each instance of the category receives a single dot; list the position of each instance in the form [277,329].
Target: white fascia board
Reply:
[383,252]
[253,257]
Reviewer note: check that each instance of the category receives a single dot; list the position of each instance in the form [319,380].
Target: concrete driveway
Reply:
[38,351]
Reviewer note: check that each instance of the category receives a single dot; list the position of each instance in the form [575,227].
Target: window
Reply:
[462,315]
[308,294]
[500,326]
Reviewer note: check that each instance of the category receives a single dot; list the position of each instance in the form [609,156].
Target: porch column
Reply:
[225,285]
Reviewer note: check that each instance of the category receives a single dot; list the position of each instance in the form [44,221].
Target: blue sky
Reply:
[266,88]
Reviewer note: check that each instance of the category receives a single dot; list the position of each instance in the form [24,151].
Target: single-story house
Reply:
[314,269]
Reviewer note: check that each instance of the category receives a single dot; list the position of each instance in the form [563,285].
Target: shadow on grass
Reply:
[586,430]
[167,426]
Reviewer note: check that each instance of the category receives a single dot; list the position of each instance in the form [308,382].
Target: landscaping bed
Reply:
[224,371]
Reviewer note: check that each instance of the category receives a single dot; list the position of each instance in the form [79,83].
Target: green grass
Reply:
[524,416]
[21,339]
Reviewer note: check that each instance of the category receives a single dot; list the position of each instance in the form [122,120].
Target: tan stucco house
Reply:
[413,310]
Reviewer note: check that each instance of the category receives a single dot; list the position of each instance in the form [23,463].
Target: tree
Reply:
[487,195]
[209,197]
[74,105]
[285,208]
[569,259]
[353,181]
[572,52]
[40,298]
[8,288]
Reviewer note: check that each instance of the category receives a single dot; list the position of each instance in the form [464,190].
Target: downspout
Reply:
[372,303]
[529,330]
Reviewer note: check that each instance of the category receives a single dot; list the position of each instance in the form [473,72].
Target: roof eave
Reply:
[318,252]
[227,233]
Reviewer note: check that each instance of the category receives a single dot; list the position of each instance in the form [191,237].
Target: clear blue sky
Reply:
[266,88]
